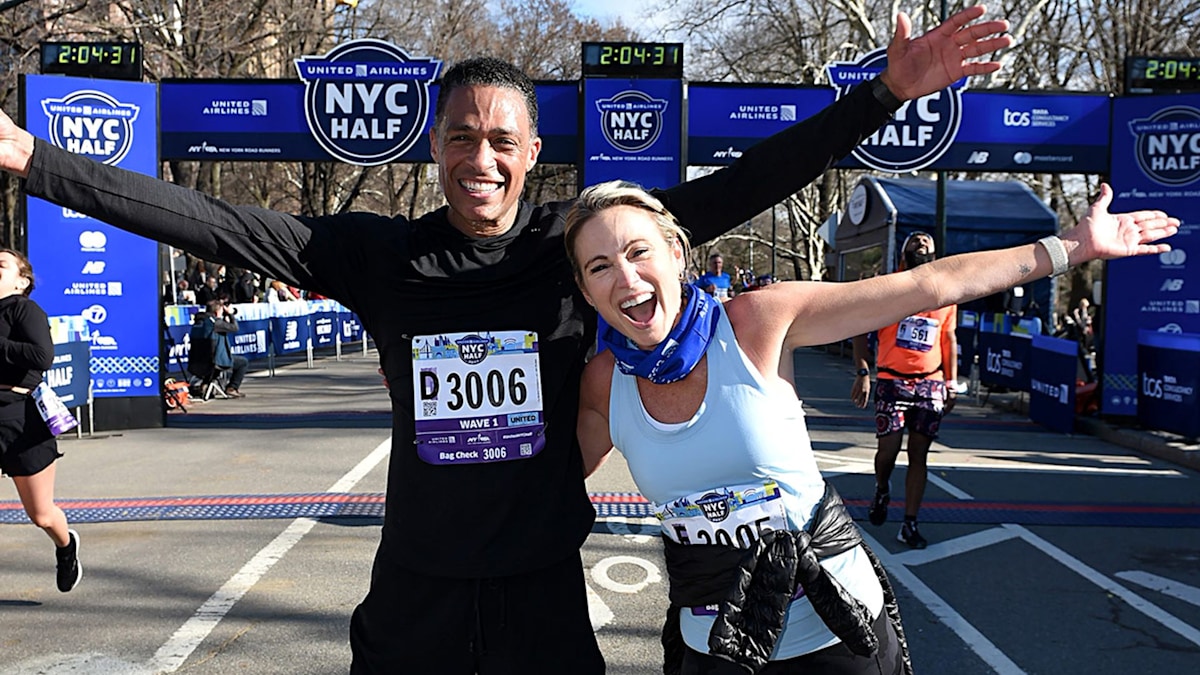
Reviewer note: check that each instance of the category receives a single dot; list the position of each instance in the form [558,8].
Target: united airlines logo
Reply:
[366,101]
[631,120]
[920,132]
[92,123]
[1167,145]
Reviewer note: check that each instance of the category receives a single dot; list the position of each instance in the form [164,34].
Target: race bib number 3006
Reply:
[478,397]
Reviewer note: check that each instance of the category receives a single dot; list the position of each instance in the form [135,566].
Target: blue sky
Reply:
[629,11]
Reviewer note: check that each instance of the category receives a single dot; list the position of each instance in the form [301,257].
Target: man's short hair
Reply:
[486,71]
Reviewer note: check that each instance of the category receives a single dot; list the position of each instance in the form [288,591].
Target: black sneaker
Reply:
[910,535]
[877,514]
[69,569]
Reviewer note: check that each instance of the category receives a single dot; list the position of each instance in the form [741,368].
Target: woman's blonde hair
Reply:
[604,196]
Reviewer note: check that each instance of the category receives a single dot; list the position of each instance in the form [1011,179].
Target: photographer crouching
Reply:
[210,348]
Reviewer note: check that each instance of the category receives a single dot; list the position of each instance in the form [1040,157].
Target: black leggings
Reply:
[835,660]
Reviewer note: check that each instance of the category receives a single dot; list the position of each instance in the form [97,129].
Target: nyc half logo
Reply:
[1167,145]
[91,123]
[920,132]
[631,120]
[366,101]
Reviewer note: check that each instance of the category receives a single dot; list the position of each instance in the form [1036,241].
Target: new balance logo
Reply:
[978,157]
[93,267]
[1172,285]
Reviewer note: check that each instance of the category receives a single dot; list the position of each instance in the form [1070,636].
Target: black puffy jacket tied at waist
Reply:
[754,587]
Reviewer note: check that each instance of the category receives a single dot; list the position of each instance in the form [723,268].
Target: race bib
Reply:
[478,397]
[918,333]
[733,516]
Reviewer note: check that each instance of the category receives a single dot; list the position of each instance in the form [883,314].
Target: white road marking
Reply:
[600,573]
[953,547]
[975,640]
[1020,463]
[1134,600]
[599,612]
[1175,589]
[172,655]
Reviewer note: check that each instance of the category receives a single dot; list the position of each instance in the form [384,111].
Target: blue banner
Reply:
[1169,377]
[323,326]
[1004,360]
[85,267]
[290,333]
[264,120]
[1156,165]
[1052,366]
[70,375]
[632,130]
[253,339]
[965,334]
[349,327]
[999,131]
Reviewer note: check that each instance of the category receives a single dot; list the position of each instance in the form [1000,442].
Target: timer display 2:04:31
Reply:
[1172,69]
[639,55]
[120,60]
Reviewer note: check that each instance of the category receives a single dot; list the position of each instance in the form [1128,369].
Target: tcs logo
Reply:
[1017,118]
[1152,386]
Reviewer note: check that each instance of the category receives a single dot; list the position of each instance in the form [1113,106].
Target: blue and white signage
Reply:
[919,133]
[367,100]
[85,267]
[1169,382]
[1155,165]
[1053,363]
[264,120]
[633,130]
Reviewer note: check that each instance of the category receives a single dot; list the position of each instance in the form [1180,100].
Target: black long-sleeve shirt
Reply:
[423,277]
[26,350]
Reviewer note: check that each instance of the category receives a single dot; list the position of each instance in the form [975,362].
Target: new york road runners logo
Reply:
[366,101]
[92,123]
[919,133]
[1167,145]
[631,120]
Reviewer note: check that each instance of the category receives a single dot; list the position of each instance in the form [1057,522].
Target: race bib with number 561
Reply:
[478,397]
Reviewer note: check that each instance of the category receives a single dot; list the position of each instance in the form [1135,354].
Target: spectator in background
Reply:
[244,289]
[280,292]
[209,291]
[184,295]
[716,278]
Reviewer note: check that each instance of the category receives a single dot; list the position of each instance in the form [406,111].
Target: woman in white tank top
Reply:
[678,388]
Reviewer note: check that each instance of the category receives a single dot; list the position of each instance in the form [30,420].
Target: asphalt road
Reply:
[1049,553]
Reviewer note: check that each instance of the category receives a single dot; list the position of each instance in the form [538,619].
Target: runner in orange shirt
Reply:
[917,364]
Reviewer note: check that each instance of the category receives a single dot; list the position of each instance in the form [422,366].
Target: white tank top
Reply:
[743,462]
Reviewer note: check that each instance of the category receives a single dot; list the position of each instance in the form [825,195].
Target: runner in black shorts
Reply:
[27,447]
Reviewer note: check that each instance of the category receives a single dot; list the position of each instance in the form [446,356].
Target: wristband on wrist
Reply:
[863,372]
[884,95]
[1057,251]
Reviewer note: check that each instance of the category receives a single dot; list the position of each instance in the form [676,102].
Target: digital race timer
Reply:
[1162,74]
[108,60]
[633,59]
